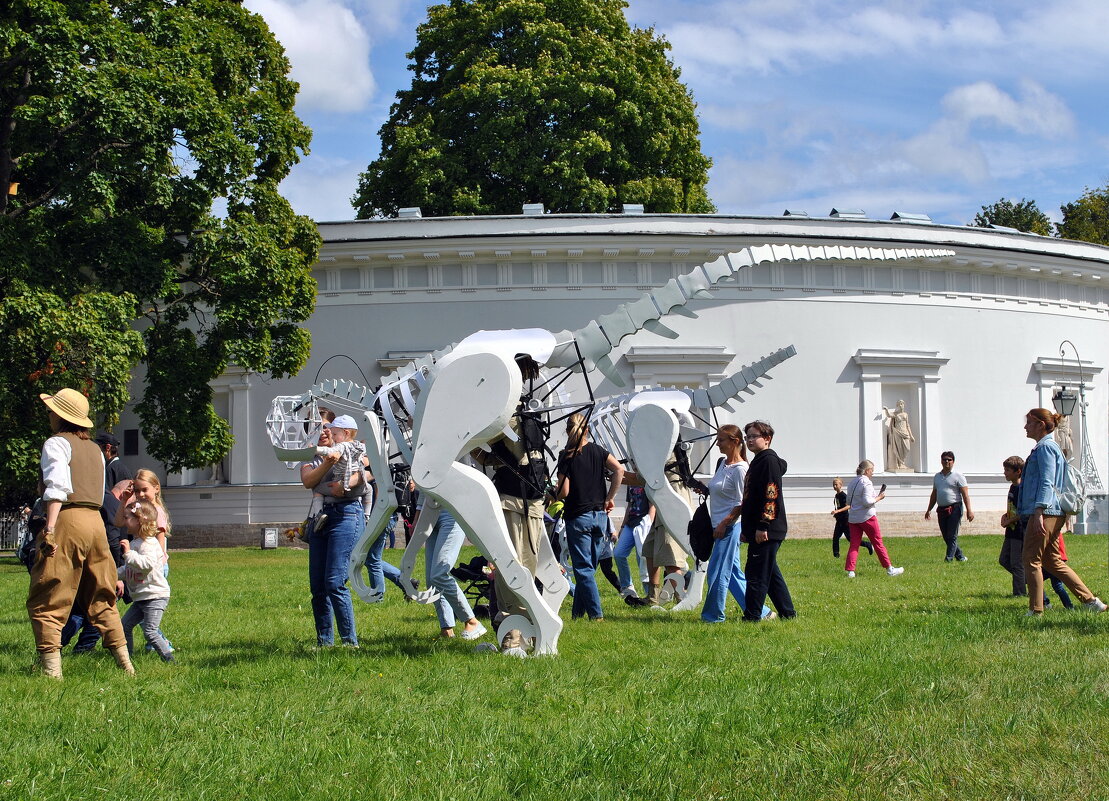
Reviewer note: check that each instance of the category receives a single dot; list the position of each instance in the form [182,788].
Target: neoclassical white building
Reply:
[970,342]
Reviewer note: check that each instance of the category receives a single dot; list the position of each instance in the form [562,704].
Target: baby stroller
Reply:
[477,586]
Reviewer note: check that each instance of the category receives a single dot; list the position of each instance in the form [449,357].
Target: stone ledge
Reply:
[230,535]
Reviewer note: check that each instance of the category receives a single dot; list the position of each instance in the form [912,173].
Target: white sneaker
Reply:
[1095,605]
[850,574]
[629,590]
[895,571]
[517,652]
[474,633]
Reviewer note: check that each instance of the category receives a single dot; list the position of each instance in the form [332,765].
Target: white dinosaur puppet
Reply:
[463,398]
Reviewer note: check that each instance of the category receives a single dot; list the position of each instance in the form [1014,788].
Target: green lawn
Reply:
[931,685]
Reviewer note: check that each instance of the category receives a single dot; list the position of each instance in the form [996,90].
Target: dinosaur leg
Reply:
[549,573]
[470,497]
[652,433]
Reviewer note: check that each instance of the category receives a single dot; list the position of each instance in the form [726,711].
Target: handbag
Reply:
[700,532]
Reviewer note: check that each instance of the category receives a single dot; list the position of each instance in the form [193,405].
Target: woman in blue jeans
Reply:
[440,555]
[725,490]
[581,482]
[330,547]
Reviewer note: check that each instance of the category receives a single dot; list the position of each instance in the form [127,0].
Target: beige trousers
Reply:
[1042,551]
[81,569]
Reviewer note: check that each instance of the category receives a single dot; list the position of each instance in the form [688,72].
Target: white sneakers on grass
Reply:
[890,571]
[1094,605]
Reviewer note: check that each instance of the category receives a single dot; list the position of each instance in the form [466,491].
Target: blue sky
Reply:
[924,107]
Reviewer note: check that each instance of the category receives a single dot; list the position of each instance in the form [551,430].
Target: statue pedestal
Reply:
[900,470]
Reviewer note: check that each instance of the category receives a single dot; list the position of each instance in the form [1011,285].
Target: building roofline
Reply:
[705,225]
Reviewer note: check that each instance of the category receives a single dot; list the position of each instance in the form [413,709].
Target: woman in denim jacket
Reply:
[1038,506]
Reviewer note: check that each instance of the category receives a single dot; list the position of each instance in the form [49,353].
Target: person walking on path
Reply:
[949,491]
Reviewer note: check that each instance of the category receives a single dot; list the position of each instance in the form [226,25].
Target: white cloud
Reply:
[946,149]
[329,49]
[762,38]
[1038,112]
[321,187]
[769,186]
[1062,36]
[385,17]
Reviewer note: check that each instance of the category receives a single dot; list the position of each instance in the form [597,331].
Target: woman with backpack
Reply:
[1043,518]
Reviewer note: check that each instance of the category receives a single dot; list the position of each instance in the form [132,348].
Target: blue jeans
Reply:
[377,567]
[1057,585]
[723,574]
[584,536]
[624,547]
[441,554]
[328,560]
[79,622]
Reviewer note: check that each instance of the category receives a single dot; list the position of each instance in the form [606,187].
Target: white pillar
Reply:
[931,428]
[873,421]
[239,413]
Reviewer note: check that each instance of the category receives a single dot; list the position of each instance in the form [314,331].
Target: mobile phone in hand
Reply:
[883,489]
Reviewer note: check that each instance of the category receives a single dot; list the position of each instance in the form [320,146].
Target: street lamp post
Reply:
[1064,402]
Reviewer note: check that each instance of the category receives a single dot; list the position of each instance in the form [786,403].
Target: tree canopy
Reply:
[1088,217]
[124,125]
[1024,215]
[552,101]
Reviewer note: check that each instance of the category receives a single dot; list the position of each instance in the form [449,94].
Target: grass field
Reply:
[931,685]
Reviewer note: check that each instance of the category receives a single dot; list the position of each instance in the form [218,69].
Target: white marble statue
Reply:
[899,439]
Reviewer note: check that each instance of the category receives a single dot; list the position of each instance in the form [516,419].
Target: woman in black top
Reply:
[581,482]
[763,520]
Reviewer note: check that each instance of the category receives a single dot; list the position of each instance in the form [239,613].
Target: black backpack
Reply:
[700,532]
[532,479]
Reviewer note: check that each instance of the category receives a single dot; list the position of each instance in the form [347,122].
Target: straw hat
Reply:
[69,404]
